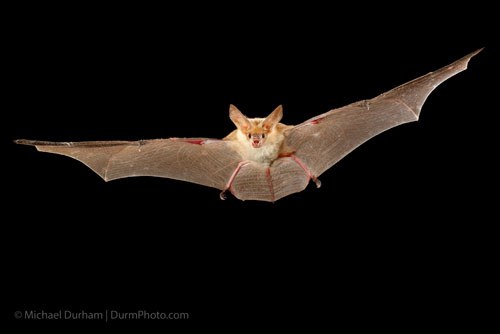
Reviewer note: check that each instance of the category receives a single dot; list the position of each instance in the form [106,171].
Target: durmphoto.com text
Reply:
[106,315]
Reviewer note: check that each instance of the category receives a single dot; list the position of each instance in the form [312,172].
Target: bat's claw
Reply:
[316,181]
[223,195]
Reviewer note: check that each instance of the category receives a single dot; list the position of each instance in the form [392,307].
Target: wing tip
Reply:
[468,57]
[455,67]
[27,142]
[24,142]
[40,142]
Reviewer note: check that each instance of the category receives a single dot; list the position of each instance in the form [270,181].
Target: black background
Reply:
[398,231]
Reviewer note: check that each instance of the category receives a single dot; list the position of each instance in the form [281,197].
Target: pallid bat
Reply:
[262,159]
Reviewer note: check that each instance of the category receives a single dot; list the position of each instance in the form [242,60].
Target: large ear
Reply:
[238,118]
[273,118]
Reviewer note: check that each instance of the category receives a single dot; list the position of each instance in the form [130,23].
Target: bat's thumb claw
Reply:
[223,195]
[317,181]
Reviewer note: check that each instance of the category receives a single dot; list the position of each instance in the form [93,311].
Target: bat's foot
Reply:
[316,181]
[231,179]
[306,170]
[222,195]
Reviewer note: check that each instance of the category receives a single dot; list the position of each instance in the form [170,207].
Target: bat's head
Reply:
[256,130]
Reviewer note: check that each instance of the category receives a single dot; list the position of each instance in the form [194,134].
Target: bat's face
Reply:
[256,137]
[255,131]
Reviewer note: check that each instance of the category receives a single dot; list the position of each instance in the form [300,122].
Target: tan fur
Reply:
[273,142]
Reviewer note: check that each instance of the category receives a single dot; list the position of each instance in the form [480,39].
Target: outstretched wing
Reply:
[325,139]
[207,162]
[322,141]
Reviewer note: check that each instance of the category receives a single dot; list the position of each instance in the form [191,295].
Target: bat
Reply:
[262,159]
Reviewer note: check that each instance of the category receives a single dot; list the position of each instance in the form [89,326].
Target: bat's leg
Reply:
[308,172]
[231,179]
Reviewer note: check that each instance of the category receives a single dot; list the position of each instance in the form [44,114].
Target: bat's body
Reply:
[262,159]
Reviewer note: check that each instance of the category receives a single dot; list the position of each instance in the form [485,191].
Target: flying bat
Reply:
[262,159]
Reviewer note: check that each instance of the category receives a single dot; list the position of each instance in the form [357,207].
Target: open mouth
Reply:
[256,143]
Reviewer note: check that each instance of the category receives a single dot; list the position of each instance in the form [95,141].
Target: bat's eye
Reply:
[249,136]
[263,135]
